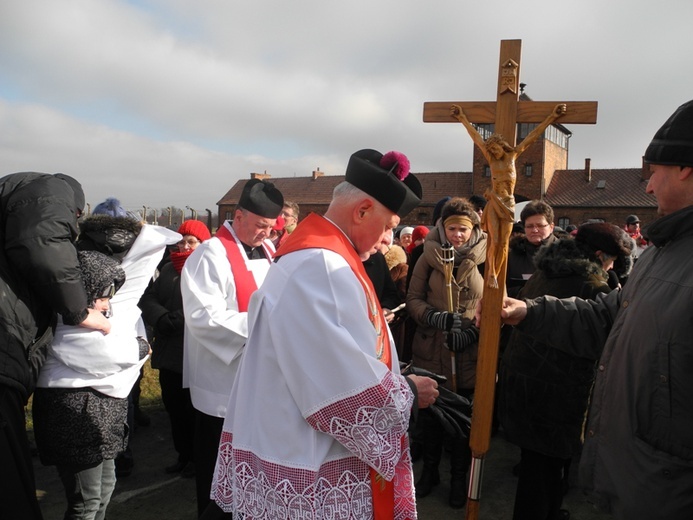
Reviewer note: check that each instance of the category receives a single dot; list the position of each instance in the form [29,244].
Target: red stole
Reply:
[319,233]
[242,276]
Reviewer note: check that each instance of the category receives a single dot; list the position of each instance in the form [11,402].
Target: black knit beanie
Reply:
[673,143]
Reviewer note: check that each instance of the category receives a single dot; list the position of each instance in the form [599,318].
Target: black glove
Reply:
[443,320]
[454,413]
[171,324]
[457,340]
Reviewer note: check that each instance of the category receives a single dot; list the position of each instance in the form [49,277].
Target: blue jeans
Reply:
[88,489]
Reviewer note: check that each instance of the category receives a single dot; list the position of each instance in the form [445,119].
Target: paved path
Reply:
[150,494]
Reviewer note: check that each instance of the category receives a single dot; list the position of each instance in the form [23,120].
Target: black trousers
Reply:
[180,412]
[17,483]
[207,436]
[539,491]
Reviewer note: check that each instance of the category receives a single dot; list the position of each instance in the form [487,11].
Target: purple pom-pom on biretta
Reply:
[402,168]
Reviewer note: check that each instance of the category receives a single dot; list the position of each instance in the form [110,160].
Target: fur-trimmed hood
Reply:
[112,236]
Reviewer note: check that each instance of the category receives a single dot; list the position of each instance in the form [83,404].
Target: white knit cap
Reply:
[406,231]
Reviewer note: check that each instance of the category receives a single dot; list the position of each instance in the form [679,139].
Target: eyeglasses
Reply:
[108,292]
[192,242]
[286,214]
[536,226]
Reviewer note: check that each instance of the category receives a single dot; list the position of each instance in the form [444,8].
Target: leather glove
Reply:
[457,340]
[454,413]
[443,320]
[171,324]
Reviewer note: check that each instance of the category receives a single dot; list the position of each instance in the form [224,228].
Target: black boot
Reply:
[458,492]
[460,458]
[428,480]
[429,475]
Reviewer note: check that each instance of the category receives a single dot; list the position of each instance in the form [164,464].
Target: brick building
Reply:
[313,194]
[575,195]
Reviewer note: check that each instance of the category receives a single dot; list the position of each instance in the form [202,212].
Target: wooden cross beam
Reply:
[506,112]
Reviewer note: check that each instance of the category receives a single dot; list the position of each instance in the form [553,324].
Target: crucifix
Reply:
[500,152]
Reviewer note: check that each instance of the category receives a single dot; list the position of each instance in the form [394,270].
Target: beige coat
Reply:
[427,290]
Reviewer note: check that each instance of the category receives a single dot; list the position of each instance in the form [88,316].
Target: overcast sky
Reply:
[170,102]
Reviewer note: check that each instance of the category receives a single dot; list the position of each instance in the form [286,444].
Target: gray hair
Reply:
[346,193]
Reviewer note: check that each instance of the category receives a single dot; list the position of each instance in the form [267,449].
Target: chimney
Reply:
[260,176]
[646,174]
[588,169]
[317,173]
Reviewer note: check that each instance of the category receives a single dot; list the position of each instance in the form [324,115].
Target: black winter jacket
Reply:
[521,263]
[543,392]
[39,270]
[162,309]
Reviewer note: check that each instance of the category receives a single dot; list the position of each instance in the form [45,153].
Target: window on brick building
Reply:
[485,129]
[523,129]
[528,170]
[556,135]
[487,171]
[563,222]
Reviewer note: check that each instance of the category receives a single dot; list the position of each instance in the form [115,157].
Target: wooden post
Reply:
[506,112]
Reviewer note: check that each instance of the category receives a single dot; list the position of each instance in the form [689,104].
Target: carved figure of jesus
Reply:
[499,214]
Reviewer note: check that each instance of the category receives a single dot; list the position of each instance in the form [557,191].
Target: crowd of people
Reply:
[279,416]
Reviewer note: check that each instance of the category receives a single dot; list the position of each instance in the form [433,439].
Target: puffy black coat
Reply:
[39,270]
[544,392]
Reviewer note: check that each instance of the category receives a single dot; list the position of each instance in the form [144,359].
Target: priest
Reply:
[318,417]
[216,283]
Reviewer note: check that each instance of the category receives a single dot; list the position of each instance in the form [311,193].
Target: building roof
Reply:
[620,187]
[318,189]
[306,190]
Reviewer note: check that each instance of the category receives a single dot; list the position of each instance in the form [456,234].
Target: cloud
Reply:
[141,96]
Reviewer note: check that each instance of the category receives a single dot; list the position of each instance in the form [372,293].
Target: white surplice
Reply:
[312,408]
[215,330]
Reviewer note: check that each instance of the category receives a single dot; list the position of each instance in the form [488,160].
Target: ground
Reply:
[150,493]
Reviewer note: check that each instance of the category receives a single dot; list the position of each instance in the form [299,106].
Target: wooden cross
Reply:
[506,112]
